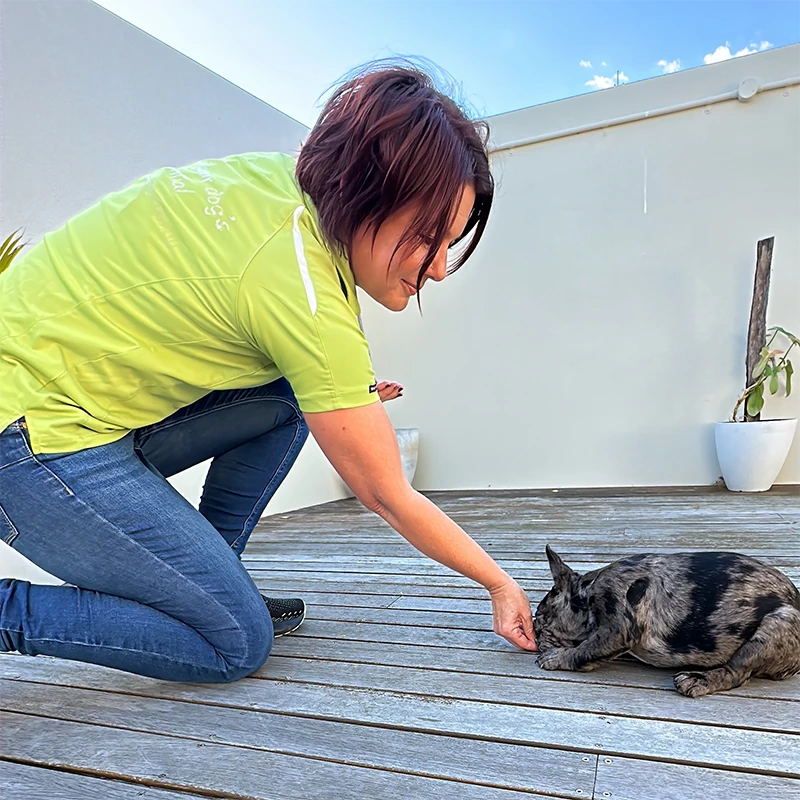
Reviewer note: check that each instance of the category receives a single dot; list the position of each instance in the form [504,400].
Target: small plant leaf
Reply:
[761,366]
[755,402]
[789,372]
[773,382]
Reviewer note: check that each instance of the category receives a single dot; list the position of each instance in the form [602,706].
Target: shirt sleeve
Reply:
[292,308]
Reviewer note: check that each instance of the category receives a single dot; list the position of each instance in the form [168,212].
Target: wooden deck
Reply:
[396,687]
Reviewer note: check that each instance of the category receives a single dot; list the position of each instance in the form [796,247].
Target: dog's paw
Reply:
[557,658]
[692,684]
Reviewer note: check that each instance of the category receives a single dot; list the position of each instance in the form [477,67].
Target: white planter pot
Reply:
[751,454]
[408,442]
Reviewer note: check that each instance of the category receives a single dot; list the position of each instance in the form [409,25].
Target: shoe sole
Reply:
[291,630]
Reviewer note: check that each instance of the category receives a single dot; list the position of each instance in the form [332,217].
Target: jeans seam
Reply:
[112,647]
[14,463]
[289,449]
[46,468]
[14,529]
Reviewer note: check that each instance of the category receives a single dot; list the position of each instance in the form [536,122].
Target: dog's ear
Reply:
[560,571]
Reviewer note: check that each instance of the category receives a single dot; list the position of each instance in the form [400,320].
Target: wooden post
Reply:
[757,332]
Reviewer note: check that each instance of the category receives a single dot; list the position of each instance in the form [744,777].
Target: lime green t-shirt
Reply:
[212,276]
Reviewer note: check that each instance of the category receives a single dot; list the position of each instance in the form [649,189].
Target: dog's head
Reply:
[562,618]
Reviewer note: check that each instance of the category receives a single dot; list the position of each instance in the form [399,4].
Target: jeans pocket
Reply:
[43,459]
[8,531]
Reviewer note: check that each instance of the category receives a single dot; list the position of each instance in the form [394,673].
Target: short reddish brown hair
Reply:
[386,139]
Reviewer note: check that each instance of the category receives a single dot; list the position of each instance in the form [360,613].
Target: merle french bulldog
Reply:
[729,613]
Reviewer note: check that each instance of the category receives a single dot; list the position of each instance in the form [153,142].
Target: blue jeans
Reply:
[158,587]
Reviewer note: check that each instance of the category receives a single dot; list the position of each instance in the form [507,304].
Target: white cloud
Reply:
[670,66]
[601,82]
[586,63]
[603,64]
[723,52]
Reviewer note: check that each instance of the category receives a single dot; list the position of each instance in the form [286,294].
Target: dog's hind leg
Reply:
[772,652]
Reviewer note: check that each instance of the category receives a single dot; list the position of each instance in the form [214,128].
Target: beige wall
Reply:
[599,330]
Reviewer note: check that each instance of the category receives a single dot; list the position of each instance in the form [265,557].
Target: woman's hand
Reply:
[513,620]
[388,390]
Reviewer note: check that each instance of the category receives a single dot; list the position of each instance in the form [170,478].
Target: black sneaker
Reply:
[287,614]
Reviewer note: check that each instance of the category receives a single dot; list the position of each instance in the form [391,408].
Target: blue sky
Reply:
[505,54]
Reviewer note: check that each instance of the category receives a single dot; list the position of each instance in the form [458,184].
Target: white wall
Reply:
[591,342]
[90,103]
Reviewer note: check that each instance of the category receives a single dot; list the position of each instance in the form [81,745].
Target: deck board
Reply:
[396,687]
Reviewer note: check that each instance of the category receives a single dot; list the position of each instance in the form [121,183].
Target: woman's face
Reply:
[392,284]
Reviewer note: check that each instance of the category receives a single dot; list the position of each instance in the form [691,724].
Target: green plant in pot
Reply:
[771,366]
[751,451]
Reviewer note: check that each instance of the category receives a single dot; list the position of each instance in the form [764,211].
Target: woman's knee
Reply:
[237,672]
[255,645]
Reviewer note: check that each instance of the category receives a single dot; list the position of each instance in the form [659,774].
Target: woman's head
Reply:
[398,173]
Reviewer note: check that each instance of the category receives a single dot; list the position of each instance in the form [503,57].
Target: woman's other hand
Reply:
[388,390]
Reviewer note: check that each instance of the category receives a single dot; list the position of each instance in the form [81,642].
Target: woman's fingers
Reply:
[389,390]
[513,619]
[518,638]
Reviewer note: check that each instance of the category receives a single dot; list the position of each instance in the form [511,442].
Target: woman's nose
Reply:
[438,269]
